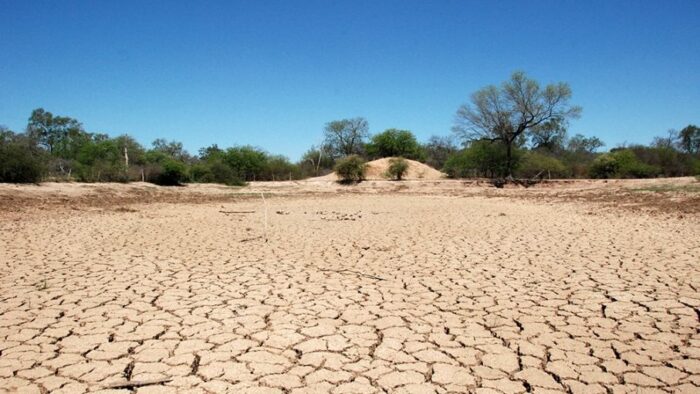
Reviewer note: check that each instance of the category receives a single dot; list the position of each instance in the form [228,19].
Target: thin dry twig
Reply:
[234,212]
[250,239]
[351,272]
[136,383]
[265,203]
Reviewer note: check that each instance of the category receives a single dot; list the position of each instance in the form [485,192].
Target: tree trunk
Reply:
[509,164]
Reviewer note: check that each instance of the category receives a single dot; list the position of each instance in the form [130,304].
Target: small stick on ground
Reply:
[352,272]
[265,203]
[250,239]
[136,383]
[233,212]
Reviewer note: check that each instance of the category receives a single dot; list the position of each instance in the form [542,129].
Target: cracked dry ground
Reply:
[352,294]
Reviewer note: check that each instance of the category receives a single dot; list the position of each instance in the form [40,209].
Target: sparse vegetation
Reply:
[666,188]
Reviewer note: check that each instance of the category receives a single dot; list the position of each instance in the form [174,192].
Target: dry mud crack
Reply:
[352,294]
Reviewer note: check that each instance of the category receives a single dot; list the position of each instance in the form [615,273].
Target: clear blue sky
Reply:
[272,73]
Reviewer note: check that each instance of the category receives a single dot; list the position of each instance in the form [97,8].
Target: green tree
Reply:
[394,143]
[166,163]
[247,162]
[582,144]
[212,168]
[316,162]
[579,154]
[438,149]
[481,159]
[346,137]
[21,161]
[511,112]
[101,161]
[665,157]
[61,136]
[690,139]
[549,136]
[174,149]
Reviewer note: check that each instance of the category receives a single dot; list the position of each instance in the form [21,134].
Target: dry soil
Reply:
[384,287]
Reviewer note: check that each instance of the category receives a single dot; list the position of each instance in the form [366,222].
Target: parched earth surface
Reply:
[350,294]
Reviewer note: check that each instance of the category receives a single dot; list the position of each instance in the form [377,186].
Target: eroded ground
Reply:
[351,294]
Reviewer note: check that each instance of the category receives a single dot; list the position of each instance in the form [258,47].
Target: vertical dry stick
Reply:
[265,203]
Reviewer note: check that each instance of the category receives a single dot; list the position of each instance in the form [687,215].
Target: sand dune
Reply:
[376,170]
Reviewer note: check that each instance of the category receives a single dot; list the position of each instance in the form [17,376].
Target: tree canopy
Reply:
[516,130]
[394,143]
[508,113]
[346,137]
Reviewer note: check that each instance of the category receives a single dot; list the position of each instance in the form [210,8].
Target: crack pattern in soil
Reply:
[412,294]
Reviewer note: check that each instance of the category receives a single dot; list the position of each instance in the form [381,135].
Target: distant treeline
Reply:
[57,148]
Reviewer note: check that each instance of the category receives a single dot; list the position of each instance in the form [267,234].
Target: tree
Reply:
[59,135]
[173,149]
[690,139]
[582,144]
[247,162]
[316,161]
[394,143]
[579,154]
[511,112]
[438,149]
[670,141]
[212,168]
[549,136]
[480,159]
[346,137]
[20,159]
[278,168]
[622,163]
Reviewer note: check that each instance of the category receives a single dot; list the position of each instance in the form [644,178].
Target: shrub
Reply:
[534,163]
[604,166]
[351,169]
[20,164]
[168,173]
[398,166]
[101,171]
[622,163]
[279,168]
[480,159]
[215,171]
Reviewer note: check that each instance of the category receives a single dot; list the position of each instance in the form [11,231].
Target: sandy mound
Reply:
[377,169]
